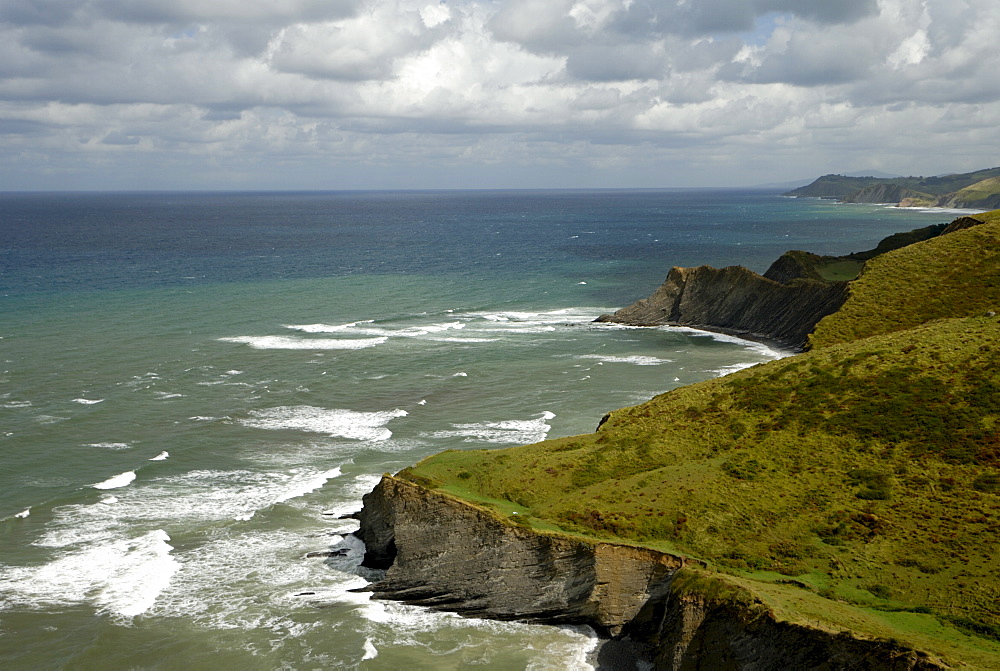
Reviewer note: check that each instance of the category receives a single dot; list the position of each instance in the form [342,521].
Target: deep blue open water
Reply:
[194,387]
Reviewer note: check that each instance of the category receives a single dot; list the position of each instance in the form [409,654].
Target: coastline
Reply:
[462,561]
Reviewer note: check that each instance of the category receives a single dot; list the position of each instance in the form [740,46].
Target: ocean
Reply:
[195,388]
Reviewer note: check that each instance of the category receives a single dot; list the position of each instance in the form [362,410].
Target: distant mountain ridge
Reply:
[972,190]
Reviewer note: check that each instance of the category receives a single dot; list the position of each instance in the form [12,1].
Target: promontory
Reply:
[835,509]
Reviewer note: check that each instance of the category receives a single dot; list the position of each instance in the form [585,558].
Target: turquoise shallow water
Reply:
[195,387]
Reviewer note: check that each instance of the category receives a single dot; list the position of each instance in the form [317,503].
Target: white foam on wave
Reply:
[326,328]
[110,446]
[764,350]
[524,329]
[12,405]
[371,652]
[361,328]
[945,210]
[433,328]
[50,419]
[465,340]
[121,577]
[285,342]
[120,480]
[88,401]
[557,316]
[246,581]
[24,513]
[334,422]
[352,491]
[308,485]
[547,648]
[516,431]
[196,496]
[161,456]
[636,359]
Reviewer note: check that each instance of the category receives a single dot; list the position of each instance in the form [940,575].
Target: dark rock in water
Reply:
[737,301]
[348,516]
[449,555]
[328,553]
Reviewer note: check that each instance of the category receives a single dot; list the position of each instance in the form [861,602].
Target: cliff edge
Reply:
[783,305]
[449,554]
[738,301]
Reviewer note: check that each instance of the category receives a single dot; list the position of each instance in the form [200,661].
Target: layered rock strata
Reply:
[444,553]
[441,552]
[738,301]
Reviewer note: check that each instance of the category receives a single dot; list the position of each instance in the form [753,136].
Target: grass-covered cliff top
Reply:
[951,275]
[854,484]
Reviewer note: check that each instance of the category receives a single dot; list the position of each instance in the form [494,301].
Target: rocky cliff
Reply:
[448,554]
[885,193]
[736,300]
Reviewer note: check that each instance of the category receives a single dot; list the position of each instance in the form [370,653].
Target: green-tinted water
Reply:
[182,421]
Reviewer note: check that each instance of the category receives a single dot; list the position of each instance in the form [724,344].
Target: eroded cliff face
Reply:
[443,553]
[736,300]
[447,554]
[697,633]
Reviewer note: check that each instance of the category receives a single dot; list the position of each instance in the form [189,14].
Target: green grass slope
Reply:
[981,194]
[859,476]
[953,275]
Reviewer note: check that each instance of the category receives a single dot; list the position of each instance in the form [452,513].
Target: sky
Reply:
[418,94]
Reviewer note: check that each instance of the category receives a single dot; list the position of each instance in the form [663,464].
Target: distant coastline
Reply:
[977,191]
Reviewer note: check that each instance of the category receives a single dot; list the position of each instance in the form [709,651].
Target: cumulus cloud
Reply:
[430,91]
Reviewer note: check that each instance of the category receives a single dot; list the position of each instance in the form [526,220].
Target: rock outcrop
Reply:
[447,554]
[738,301]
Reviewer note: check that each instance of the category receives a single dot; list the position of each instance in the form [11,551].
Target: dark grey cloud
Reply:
[39,12]
[611,63]
[231,11]
[822,11]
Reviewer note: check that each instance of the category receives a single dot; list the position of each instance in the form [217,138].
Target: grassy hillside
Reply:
[799,264]
[952,275]
[853,487]
[841,187]
[867,474]
[981,194]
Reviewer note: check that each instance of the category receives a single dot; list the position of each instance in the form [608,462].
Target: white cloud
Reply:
[436,92]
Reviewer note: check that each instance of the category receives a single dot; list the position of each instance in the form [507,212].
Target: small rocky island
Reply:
[836,509]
